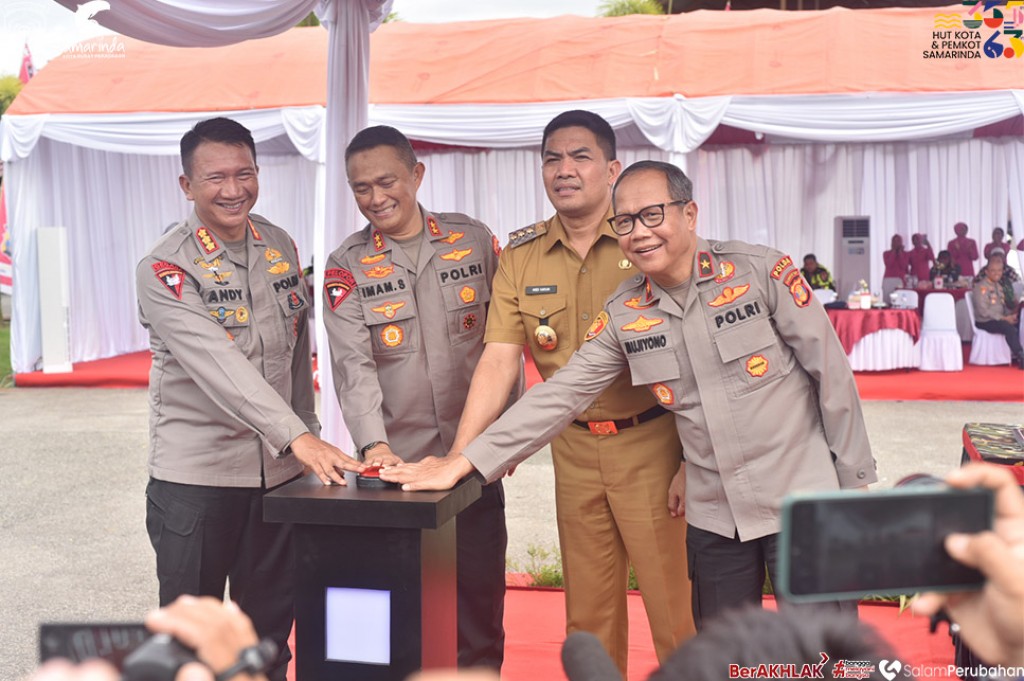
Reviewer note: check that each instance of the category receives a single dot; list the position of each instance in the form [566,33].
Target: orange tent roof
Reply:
[697,54]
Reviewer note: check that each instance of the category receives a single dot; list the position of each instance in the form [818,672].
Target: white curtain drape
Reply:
[681,125]
[115,206]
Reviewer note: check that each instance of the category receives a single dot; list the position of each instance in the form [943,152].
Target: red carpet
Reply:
[535,629]
[974,383]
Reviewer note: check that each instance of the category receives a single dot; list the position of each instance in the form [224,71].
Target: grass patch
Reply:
[6,377]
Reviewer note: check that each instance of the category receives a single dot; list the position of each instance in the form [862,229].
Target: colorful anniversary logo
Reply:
[988,28]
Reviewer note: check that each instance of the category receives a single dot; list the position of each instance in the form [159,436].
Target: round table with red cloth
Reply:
[852,325]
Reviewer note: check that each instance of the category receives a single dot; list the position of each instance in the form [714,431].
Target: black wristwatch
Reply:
[252,660]
[366,448]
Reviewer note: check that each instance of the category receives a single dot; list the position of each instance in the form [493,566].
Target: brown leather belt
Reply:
[613,427]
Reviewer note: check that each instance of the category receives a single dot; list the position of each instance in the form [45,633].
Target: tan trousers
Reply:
[611,493]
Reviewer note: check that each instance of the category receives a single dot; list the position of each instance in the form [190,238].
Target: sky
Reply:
[49,28]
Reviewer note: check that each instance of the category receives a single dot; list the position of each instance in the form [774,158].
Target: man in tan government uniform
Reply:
[618,475]
[405,305]
[728,337]
[232,412]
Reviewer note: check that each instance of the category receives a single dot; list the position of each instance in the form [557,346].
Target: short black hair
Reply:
[219,129]
[578,118]
[811,256]
[680,187]
[382,136]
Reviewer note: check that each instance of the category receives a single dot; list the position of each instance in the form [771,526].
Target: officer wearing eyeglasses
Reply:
[727,336]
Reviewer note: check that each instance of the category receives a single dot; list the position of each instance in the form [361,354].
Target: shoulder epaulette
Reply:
[527,234]
[738,247]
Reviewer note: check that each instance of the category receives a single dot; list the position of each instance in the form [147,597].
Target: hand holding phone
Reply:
[847,545]
[991,620]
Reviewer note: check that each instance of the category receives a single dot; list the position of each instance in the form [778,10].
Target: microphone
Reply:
[584,659]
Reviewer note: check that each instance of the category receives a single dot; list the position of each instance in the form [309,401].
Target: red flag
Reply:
[5,246]
[27,70]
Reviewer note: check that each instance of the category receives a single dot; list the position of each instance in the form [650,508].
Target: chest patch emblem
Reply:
[757,366]
[728,295]
[372,259]
[456,254]
[642,324]
[663,393]
[392,336]
[726,271]
[389,310]
[379,272]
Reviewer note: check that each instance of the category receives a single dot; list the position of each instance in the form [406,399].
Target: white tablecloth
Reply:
[885,350]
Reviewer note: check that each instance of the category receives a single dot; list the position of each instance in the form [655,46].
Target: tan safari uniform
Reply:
[989,301]
[406,335]
[764,400]
[231,383]
[611,490]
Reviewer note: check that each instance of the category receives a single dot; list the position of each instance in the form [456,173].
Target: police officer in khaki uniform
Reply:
[405,303]
[995,309]
[728,337]
[618,478]
[231,388]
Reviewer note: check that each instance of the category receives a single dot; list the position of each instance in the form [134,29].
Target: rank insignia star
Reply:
[389,310]
[704,267]
[378,240]
[432,227]
[642,324]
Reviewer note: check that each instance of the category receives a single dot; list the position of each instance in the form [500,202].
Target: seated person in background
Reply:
[921,256]
[963,249]
[1009,274]
[945,267]
[995,307]
[998,241]
[897,264]
[816,275]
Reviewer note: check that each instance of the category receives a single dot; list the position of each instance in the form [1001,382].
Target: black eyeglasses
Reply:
[652,216]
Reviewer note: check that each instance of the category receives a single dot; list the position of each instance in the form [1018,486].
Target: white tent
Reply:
[866,135]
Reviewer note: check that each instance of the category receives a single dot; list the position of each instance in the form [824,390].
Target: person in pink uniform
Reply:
[921,256]
[963,250]
[998,241]
[897,264]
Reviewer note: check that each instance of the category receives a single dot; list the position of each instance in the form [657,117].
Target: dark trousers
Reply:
[481,543]
[204,536]
[1004,328]
[728,573]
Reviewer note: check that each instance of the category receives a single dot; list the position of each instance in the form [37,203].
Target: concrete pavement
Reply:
[72,500]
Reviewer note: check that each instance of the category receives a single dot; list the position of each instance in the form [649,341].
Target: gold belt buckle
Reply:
[603,427]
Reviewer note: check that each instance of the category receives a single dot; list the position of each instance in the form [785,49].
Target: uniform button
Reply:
[861,475]
[543,312]
[583,270]
[585,316]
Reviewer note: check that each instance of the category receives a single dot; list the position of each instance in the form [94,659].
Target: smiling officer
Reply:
[232,413]
[405,302]
[727,336]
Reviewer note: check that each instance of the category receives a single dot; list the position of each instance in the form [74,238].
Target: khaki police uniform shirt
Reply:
[406,336]
[231,383]
[764,399]
[540,277]
[989,300]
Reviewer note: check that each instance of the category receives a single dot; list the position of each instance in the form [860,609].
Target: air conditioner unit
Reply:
[853,253]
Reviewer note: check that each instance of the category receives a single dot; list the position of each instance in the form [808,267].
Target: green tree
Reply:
[10,86]
[621,8]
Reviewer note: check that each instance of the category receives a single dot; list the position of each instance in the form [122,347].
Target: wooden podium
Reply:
[375,593]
